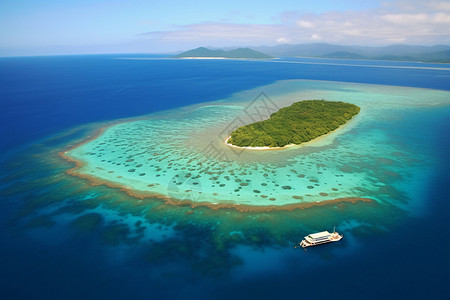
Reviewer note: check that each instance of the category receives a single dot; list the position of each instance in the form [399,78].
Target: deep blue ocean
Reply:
[40,97]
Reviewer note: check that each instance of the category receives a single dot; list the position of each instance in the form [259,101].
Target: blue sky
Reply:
[99,26]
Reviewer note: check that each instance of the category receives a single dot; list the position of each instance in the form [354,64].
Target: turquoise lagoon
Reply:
[382,154]
[67,237]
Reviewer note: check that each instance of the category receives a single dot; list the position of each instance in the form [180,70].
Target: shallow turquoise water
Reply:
[181,153]
[64,238]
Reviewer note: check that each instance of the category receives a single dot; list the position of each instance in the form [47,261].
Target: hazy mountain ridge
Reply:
[234,53]
[438,53]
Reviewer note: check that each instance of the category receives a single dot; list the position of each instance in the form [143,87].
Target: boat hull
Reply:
[307,242]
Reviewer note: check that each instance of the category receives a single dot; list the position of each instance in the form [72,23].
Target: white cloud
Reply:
[396,40]
[405,18]
[283,40]
[440,5]
[305,24]
[412,22]
[415,19]
[351,32]
[442,18]
[216,31]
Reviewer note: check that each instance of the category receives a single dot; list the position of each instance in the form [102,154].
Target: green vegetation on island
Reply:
[235,53]
[301,122]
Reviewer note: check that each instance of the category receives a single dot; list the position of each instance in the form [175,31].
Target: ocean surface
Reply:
[84,233]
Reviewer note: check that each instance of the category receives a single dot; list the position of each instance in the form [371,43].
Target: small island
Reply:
[241,53]
[296,124]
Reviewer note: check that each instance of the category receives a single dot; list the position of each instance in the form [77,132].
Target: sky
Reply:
[40,27]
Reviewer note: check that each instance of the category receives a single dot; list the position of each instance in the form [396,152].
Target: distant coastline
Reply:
[239,53]
[203,57]
[406,53]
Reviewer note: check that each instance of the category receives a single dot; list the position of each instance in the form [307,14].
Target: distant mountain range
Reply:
[217,53]
[438,54]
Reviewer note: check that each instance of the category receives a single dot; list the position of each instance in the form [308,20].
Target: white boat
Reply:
[319,238]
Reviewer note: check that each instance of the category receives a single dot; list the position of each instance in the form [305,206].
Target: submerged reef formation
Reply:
[179,155]
[375,168]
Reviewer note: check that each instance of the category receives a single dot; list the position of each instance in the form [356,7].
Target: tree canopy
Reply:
[301,122]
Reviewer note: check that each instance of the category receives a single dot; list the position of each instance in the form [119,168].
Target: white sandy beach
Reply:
[200,57]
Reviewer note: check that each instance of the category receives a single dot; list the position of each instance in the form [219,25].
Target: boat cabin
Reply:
[318,237]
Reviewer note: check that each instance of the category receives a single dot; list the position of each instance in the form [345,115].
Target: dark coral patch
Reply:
[88,222]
